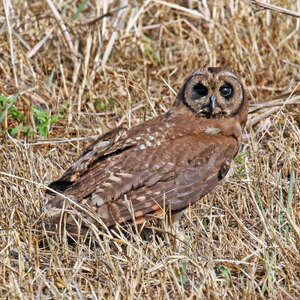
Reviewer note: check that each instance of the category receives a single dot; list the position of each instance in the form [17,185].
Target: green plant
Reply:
[8,108]
[183,277]
[225,273]
[284,222]
[240,163]
[149,50]
[42,119]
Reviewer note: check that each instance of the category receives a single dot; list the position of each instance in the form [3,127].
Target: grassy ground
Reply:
[78,76]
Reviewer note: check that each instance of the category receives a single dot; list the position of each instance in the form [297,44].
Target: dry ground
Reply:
[242,241]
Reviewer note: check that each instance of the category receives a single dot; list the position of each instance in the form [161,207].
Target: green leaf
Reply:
[79,9]
[290,192]
[11,102]
[65,7]
[43,120]
[50,83]
[14,130]
[54,118]
[43,130]
[16,114]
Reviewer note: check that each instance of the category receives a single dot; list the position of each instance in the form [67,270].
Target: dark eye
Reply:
[226,90]
[199,90]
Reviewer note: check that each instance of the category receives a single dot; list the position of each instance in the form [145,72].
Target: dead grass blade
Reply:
[275,8]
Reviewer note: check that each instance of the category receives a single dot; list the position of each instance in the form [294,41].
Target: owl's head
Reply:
[213,92]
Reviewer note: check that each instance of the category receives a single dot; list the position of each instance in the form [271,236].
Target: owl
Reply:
[162,165]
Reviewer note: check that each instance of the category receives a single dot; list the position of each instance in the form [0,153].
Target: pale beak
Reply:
[212,103]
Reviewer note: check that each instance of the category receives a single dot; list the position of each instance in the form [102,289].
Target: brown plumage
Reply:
[163,164]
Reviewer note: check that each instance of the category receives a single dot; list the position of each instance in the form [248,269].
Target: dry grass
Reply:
[242,240]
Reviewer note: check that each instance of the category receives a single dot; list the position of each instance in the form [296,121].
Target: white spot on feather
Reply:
[142,147]
[212,130]
[97,200]
[102,144]
[127,175]
[147,204]
[114,178]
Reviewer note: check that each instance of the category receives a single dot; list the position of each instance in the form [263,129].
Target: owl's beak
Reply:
[212,103]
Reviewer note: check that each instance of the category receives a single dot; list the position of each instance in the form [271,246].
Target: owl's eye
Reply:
[226,90]
[199,90]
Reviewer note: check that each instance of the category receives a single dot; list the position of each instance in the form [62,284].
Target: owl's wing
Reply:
[204,172]
[199,164]
[145,181]
[92,153]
